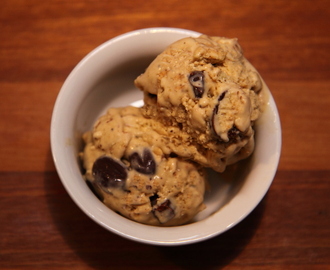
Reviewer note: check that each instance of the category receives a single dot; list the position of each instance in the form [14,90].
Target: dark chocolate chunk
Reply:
[164,212]
[153,199]
[144,164]
[222,96]
[173,155]
[164,206]
[152,96]
[217,64]
[234,133]
[109,173]
[196,80]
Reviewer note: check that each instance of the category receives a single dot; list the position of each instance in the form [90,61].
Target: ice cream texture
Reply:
[207,89]
[201,101]
[128,169]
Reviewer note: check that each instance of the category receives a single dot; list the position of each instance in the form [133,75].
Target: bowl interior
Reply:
[105,78]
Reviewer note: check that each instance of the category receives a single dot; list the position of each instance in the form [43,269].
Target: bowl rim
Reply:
[154,235]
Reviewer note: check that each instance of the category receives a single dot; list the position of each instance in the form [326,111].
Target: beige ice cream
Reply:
[205,90]
[201,99]
[134,173]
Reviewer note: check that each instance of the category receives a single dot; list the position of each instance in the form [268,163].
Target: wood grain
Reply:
[42,41]
[45,229]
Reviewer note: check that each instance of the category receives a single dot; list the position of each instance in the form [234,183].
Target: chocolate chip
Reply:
[234,133]
[215,113]
[218,64]
[152,96]
[164,212]
[196,80]
[164,206]
[153,199]
[109,173]
[173,155]
[144,164]
[222,96]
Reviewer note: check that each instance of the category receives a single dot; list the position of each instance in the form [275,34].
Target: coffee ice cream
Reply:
[129,171]
[207,89]
[201,100]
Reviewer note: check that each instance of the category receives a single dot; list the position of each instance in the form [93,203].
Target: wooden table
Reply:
[41,42]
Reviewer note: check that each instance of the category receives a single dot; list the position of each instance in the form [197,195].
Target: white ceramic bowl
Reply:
[104,78]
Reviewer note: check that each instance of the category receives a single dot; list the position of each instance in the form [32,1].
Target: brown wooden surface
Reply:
[41,41]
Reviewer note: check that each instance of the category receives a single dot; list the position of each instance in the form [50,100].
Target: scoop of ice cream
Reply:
[128,169]
[205,88]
